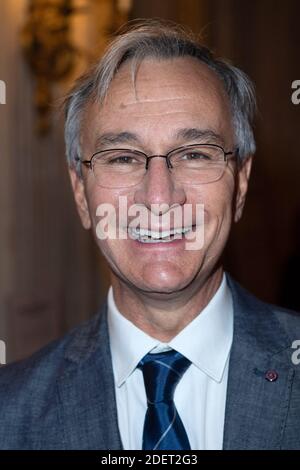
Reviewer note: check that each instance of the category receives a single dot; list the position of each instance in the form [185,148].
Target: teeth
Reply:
[152,236]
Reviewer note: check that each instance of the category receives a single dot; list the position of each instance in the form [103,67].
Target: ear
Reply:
[80,198]
[243,176]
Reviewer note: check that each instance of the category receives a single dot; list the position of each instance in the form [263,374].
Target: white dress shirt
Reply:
[200,395]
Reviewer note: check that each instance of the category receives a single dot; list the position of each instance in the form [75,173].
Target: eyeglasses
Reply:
[192,164]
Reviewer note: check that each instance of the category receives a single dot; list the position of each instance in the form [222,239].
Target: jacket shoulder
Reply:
[288,320]
[28,388]
[45,364]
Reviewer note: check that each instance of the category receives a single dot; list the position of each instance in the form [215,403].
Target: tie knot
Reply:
[162,373]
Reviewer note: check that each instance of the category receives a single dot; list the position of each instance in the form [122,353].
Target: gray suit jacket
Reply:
[63,396]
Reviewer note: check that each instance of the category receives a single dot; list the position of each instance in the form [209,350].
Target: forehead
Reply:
[165,96]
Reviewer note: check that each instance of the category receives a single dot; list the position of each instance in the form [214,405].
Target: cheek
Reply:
[101,200]
[217,199]
[108,211]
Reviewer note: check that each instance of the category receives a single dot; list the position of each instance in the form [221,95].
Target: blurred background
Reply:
[51,275]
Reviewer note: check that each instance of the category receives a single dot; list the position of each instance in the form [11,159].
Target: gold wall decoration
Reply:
[47,40]
[47,47]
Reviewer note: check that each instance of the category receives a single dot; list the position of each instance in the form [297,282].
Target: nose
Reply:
[159,188]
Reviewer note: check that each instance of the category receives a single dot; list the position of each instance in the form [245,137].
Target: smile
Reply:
[152,236]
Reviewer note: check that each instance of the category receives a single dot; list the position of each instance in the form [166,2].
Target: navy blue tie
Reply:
[163,428]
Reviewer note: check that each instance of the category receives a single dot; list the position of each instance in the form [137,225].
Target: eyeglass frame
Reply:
[88,163]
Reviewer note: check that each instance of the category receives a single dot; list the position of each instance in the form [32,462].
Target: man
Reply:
[180,357]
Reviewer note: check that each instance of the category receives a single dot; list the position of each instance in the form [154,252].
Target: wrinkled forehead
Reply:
[156,81]
[161,95]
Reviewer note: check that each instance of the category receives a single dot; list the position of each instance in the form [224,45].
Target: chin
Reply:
[159,280]
[159,291]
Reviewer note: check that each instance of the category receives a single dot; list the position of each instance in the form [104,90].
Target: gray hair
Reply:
[161,40]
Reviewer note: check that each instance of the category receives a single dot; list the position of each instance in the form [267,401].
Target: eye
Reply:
[119,157]
[196,155]
[123,159]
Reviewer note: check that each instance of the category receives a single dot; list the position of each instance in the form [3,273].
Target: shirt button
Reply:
[271,375]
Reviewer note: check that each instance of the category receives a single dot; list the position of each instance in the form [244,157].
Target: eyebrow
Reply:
[194,133]
[111,138]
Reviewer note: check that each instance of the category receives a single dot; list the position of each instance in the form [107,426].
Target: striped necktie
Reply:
[163,428]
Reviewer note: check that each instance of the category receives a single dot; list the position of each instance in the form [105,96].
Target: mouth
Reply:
[151,236]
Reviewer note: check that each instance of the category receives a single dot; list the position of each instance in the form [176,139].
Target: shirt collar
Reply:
[206,341]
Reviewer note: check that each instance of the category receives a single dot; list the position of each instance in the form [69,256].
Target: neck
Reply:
[163,316]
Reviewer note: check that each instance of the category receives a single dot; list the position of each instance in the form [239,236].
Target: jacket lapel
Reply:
[86,391]
[256,408]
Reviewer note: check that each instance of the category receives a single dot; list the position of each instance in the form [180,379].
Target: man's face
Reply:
[169,97]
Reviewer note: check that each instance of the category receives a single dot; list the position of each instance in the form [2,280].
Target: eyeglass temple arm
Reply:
[87,163]
[232,154]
